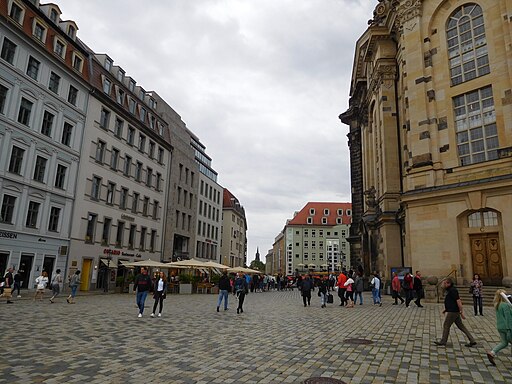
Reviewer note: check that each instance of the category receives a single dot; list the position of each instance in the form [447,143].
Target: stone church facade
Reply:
[430,137]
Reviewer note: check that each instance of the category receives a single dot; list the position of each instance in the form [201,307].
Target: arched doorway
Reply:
[485,246]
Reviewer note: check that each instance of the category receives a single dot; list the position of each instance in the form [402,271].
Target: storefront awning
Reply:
[111,265]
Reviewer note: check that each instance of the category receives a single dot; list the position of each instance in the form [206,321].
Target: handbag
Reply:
[330,298]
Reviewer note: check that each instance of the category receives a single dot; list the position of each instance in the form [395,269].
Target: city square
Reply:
[276,340]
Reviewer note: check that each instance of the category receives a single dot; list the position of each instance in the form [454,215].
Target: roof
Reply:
[301,218]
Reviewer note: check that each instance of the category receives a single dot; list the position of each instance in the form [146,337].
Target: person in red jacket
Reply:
[396,287]
[407,285]
[342,279]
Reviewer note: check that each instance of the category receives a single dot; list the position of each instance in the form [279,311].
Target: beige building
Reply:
[233,250]
[431,139]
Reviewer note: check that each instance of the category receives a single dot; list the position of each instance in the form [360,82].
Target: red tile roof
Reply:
[301,218]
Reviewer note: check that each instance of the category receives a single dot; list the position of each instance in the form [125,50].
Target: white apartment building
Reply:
[119,215]
[43,101]
[234,232]
[209,209]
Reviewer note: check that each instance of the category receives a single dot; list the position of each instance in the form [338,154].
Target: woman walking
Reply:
[74,282]
[159,293]
[503,323]
[322,291]
[41,283]
[476,290]
[55,285]
[241,288]
[358,288]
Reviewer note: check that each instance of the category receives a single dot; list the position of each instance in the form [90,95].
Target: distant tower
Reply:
[257,254]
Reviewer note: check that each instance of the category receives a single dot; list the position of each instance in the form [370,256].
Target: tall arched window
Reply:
[467,45]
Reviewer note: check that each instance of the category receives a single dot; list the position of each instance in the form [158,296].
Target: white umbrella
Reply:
[190,263]
[147,263]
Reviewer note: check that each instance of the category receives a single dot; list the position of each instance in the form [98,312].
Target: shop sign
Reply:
[108,251]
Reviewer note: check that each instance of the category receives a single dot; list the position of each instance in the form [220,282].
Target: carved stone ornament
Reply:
[370,197]
[408,10]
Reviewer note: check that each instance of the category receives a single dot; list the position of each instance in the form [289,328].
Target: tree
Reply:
[256,264]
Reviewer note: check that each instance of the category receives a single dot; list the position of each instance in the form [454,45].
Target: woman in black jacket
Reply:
[159,293]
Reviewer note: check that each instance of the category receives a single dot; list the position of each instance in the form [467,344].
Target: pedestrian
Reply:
[359,288]
[142,285]
[41,283]
[74,282]
[307,286]
[342,279]
[224,288]
[17,283]
[407,285]
[55,285]
[349,285]
[159,293]
[7,287]
[503,323]
[454,314]
[240,289]
[476,290]
[322,291]
[395,288]
[375,283]
[417,285]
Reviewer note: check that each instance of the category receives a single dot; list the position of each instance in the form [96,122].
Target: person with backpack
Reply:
[375,283]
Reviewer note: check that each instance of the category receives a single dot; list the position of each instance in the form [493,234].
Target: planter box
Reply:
[186,288]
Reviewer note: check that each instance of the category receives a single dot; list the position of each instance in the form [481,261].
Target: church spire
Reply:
[258,254]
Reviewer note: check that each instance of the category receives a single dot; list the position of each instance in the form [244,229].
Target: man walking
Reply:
[418,288]
[396,287]
[307,286]
[224,287]
[342,279]
[376,285]
[142,284]
[454,314]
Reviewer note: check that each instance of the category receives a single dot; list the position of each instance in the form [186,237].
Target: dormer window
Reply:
[131,86]
[120,75]
[108,64]
[71,31]
[107,85]
[59,48]
[142,93]
[312,211]
[340,212]
[120,96]
[54,15]
[132,105]
[326,212]
[39,31]
[310,220]
[78,62]
[16,12]
[324,220]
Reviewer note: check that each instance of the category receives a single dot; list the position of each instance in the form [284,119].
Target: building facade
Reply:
[119,212]
[209,209]
[181,210]
[431,139]
[43,102]
[316,238]
[234,232]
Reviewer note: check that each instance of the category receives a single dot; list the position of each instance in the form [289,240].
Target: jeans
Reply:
[341,295]
[477,302]
[408,297]
[503,341]
[454,317]
[241,297]
[376,295]
[223,294]
[141,298]
[360,294]
[73,290]
[16,287]
[306,297]
[323,298]
[159,299]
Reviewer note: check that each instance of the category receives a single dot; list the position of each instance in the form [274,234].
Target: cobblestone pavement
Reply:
[276,340]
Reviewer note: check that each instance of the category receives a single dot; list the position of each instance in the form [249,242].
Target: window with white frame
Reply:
[108,64]
[54,82]
[16,161]
[7,210]
[40,169]
[312,211]
[483,219]
[467,44]
[53,222]
[39,31]
[96,188]
[32,214]
[310,220]
[8,51]
[111,190]
[114,158]
[67,134]
[59,47]
[25,111]
[17,12]
[33,67]
[104,118]
[60,176]
[78,62]
[107,86]
[72,95]
[100,151]
[118,129]
[324,220]
[475,125]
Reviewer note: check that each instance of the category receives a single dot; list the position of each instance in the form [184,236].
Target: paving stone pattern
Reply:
[276,340]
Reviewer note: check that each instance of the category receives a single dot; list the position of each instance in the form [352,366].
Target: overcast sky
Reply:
[260,82]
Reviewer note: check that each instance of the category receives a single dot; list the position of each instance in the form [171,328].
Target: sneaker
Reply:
[471,344]
[140,315]
[10,302]
[226,309]
[152,315]
[217,309]
[18,296]
[159,315]
[490,356]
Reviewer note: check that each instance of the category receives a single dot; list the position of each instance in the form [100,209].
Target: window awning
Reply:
[111,265]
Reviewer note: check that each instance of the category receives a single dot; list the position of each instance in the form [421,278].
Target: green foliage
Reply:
[260,266]
[185,278]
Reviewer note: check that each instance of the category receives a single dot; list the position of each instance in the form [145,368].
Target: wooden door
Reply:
[485,252]
[85,274]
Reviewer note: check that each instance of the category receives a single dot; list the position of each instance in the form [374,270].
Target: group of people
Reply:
[412,287]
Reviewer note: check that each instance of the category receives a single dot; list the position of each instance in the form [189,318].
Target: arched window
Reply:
[483,219]
[467,45]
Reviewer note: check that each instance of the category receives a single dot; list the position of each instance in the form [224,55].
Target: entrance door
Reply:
[4,256]
[25,269]
[485,251]
[85,274]
[48,263]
